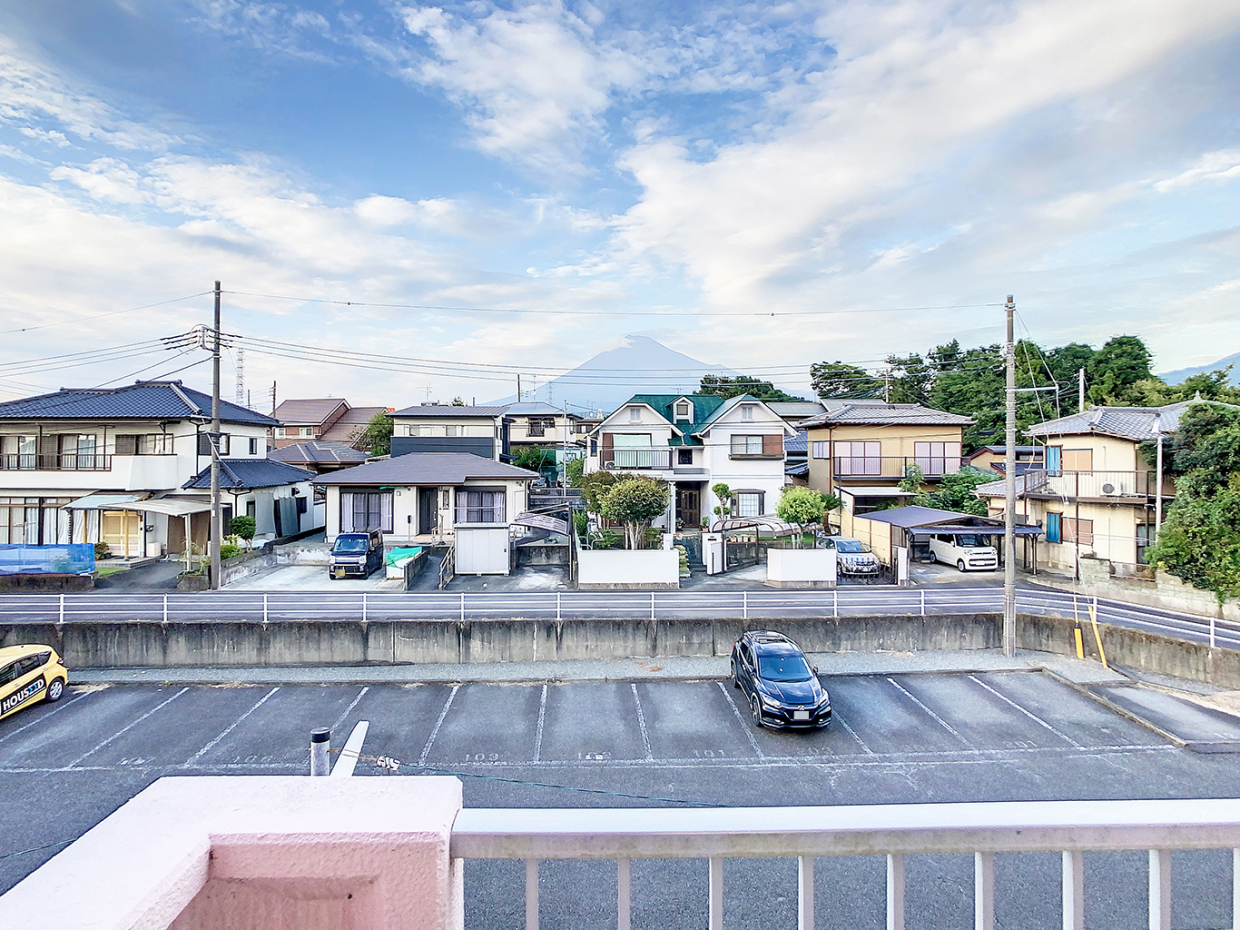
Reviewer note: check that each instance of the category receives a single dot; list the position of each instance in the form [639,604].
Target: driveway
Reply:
[315,578]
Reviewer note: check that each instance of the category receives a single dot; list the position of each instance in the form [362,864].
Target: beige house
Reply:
[1095,495]
[861,449]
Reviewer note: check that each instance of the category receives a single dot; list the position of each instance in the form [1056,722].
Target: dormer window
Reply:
[635,414]
[684,410]
[746,411]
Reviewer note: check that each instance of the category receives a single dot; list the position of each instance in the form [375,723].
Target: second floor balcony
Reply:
[1134,486]
[31,461]
[893,467]
[640,458]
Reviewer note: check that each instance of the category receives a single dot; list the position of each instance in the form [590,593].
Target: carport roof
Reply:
[426,468]
[930,519]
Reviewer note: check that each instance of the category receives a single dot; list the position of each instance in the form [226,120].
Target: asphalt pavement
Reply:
[982,729]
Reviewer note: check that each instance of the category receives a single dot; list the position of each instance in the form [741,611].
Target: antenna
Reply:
[239,393]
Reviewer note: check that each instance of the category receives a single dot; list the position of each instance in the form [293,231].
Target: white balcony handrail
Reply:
[896,830]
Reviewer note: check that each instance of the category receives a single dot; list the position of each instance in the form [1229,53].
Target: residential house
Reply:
[796,412]
[994,458]
[429,497]
[859,450]
[538,424]
[478,430]
[320,456]
[330,419]
[109,464]
[276,495]
[1095,494]
[694,441]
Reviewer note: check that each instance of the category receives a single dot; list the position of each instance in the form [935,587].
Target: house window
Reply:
[1054,460]
[279,432]
[858,458]
[449,431]
[746,445]
[633,450]
[937,458]
[1054,527]
[684,456]
[308,432]
[594,447]
[1078,459]
[746,411]
[749,503]
[479,506]
[682,410]
[130,444]
[251,508]
[361,511]
[635,414]
[1145,533]
[204,444]
[253,446]
[820,450]
[770,445]
[1078,531]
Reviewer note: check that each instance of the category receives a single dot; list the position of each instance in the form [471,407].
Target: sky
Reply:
[463,192]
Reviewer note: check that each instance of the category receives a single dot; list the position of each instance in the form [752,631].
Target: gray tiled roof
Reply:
[144,400]
[351,425]
[879,413]
[425,468]
[238,474]
[319,452]
[447,410]
[797,443]
[306,412]
[1136,423]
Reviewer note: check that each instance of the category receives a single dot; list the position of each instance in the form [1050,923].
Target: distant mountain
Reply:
[1175,377]
[641,365]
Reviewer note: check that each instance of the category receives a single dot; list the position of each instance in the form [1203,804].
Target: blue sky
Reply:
[756,185]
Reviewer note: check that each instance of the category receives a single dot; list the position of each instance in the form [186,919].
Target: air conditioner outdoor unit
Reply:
[610,466]
[1110,490]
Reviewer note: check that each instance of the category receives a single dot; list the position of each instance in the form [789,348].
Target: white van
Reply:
[967,551]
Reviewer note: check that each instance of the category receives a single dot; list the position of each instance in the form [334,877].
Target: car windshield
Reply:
[350,546]
[848,545]
[968,540]
[783,668]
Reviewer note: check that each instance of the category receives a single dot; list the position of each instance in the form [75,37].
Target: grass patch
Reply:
[105,571]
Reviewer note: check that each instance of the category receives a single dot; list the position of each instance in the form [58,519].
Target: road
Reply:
[898,738]
[665,605]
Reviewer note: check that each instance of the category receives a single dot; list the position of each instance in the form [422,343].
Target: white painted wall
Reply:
[800,566]
[628,568]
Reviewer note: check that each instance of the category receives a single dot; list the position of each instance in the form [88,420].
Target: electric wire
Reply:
[97,316]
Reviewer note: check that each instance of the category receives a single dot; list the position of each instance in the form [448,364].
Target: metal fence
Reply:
[1071,828]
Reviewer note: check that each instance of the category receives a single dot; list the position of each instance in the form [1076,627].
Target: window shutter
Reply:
[127,445]
[204,444]
[608,440]
[772,444]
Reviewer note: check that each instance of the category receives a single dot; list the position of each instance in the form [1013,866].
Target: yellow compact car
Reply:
[29,674]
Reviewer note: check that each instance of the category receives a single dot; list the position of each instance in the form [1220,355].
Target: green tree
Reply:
[594,488]
[1066,362]
[376,438]
[636,502]
[724,495]
[800,505]
[1208,385]
[910,379]
[837,379]
[725,386]
[574,471]
[957,492]
[1116,368]
[457,402]
[535,458]
[243,527]
[970,382]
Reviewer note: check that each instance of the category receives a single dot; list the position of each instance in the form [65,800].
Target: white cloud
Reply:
[50,136]
[1214,166]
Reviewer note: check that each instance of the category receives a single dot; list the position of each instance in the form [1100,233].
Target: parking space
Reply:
[299,578]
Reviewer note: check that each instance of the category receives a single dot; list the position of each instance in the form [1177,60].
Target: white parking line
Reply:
[641,722]
[851,732]
[72,700]
[126,729]
[1032,716]
[341,719]
[741,720]
[941,722]
[542,715]
[430,740]
[211,745]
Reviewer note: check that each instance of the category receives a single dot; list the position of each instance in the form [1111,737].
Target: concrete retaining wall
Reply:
[309,642]
[1165,592]
[303,554]
[245,565]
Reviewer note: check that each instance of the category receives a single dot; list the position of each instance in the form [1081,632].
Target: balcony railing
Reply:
[1071,828]
[636,458]
[1094,485]
[54,462]
[893,466]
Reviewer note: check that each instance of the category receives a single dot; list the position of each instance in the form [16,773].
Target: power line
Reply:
[83,319]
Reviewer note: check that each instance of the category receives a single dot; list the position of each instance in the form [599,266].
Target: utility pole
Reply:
[239,393]
[1080,390]
[518,388]
[273,398]
[217,528]
[1009,488]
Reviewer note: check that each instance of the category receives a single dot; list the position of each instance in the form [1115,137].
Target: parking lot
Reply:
[901,738]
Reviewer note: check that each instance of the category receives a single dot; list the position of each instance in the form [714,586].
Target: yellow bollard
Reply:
[1080,647]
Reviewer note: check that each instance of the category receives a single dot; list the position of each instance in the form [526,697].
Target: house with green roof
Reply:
[695,441]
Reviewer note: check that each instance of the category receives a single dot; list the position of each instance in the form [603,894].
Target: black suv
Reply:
[782,688]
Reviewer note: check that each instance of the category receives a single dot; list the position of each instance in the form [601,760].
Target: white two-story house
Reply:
[112,465]
[695,441]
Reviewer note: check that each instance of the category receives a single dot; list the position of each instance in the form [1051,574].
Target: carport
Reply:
[911,527]
[184,507]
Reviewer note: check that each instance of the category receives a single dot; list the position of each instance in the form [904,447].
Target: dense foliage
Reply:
[636,502]
[243,527]
[376,438]
[839,379]
[725,387]
[574,471]
[800,505]
[535,458]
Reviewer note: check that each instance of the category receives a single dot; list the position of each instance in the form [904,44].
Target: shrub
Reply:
[243,526]
[229,550]
[102,551]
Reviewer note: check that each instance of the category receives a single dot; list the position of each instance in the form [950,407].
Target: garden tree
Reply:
[829,502]
[574,471]
[970,382]
[724,493]
[535,457]
[726,387]
[909,379]
[376,438]
[1209,385]
[636,502]
[1115,369]
[837,379]
[242,527]
[799,505]
[1065,362]
[1200,540]
[457,402]
[593,488]
[953,492]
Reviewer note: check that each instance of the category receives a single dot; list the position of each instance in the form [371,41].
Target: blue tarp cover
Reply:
[71,559]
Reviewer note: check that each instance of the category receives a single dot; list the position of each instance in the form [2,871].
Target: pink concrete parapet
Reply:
[258,853]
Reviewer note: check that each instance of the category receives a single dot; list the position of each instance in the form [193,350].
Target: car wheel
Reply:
[933,558]
[960,564]
[755,711]
[55,690]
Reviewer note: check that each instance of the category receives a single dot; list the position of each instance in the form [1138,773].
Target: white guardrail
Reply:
[1071,828]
